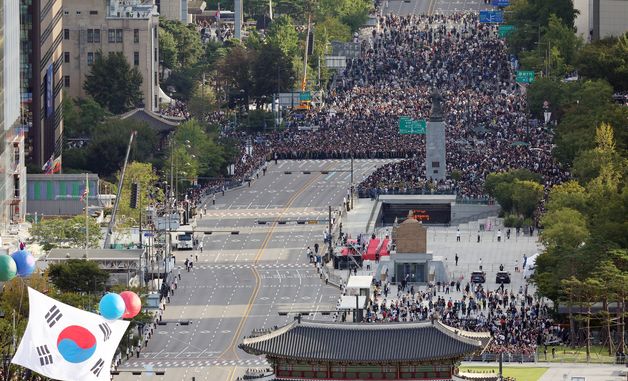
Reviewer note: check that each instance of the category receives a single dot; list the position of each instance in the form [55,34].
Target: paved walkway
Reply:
[565,371]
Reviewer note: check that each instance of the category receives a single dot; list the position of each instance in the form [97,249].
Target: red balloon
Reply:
[132,303]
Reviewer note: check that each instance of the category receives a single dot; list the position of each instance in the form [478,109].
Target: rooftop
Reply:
[134,9]
[95,254]
[356,342]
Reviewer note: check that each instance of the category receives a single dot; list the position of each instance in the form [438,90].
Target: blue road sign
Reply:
[501,3]
[491,16]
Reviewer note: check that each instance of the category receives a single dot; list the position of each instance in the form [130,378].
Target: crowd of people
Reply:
[175,108]
[517,322]
[487,128]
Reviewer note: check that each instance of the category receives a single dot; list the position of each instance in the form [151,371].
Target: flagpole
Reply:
[86,213]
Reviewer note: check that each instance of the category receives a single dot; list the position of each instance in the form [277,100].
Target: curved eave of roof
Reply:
[257,345]
[171,121]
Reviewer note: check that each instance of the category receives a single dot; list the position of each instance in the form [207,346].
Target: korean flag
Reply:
[66,343]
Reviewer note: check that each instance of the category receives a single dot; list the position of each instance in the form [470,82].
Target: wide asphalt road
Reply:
[240,282]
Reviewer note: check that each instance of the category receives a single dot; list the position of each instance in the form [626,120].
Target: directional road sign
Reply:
[525,76]
[410,126]
[501,3]
[505,30]
[305,96]
[491,16]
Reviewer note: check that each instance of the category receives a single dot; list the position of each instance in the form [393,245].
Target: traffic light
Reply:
[135,193]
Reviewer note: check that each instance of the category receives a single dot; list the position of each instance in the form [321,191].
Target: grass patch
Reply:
[520,374]
[599,354]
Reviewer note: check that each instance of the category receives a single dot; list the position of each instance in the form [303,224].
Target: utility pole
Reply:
[351,181]
[330,249]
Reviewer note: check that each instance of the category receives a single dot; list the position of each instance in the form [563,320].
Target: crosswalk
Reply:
[235,266]
[191,363]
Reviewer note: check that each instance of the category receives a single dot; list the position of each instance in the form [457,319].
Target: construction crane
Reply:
[112,222]
[305,104]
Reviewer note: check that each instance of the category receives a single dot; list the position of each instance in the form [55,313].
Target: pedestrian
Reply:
[499,235]
[480,264]
[200,247]
[196,257]
[525,262]
[456,258]
[458,235]
[508,233]
[478,236]
[316,248]
[214,199]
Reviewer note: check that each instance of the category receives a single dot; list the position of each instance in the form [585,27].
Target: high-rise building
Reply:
[12,169]
[598,19]
[127,26]
[41,59]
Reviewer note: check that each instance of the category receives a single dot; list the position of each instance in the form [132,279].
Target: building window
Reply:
[66,80]
[66,34]
[65,13]
[90,36]
[93,12]
[156,78]
[156,55]
[66,57]
[90,58]
[136,58]
[78,13]
[118,35]
[136,35]
[97,36]
[111,35]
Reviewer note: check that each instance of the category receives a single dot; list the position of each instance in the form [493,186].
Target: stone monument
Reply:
[435,152]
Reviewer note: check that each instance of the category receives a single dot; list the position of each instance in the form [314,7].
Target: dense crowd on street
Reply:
[485,112]
[175,108]
[517,322]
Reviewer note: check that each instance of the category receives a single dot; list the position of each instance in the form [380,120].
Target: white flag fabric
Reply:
[66,343]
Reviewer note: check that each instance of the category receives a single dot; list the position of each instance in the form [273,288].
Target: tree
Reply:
[271,73]
[168,50]
[606,59]
[80,116]
[196,153]
[62,232]
[568,195]
[144,175]
[333,30]
[113,83]
[526,196]
[78,275]
[107,147]
[236,70]
[187,40]
[283,35]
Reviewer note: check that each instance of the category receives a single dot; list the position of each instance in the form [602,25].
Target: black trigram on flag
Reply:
[106,331]
[97,367]
[53,315]
[45,358]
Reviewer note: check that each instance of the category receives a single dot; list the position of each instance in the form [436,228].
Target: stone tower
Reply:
[435,159]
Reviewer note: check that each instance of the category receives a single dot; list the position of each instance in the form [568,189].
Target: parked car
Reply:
[502,277]
[478,277]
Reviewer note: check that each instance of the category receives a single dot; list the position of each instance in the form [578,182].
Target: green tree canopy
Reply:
[168,49]
[80,116]
[606,59]
[144,175]
[113,83]
[77,275]
[283,35]
[187,41]
[63,232]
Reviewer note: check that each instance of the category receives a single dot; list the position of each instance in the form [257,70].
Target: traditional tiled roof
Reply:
[307,340]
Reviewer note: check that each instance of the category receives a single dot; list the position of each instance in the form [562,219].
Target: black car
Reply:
[478,277]
[502,277]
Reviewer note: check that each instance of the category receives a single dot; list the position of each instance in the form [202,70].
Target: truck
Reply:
[181,241]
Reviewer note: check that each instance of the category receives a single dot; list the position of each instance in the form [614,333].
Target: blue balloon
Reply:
[112,306]
[24,261]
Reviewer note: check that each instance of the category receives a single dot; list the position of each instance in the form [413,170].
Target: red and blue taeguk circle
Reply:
[76,344]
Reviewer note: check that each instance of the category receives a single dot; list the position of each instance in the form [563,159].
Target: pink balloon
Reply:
[133,304]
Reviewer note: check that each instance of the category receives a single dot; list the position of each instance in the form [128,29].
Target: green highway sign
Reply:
[305,96]
[525,76]
[409,126]
[505,30]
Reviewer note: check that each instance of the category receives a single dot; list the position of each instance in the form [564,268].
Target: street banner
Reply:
[66,343]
